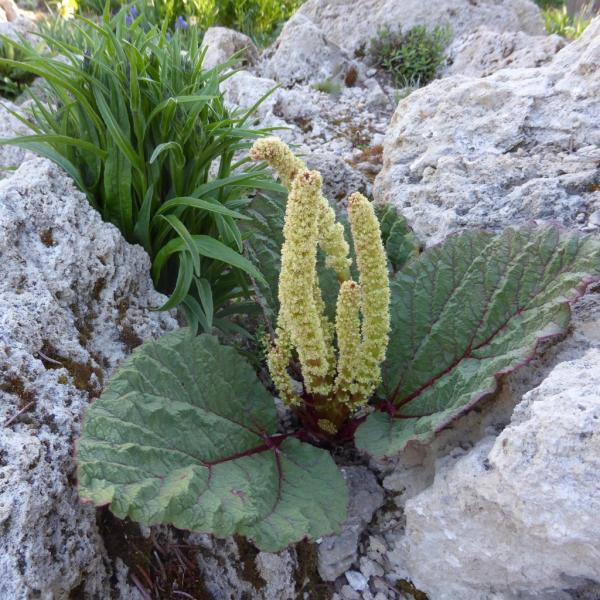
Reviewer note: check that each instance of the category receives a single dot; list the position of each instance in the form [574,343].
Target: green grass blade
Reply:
[185,277]
[210,205]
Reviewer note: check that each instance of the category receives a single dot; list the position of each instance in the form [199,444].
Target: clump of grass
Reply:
[328,86]
[561,22]
[143,130]
[412,57]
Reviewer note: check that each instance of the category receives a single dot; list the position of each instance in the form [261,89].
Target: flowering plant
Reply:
[185,433]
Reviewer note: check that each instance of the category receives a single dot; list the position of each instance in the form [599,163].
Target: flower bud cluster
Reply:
[371,260]
[331,234]
[349,374]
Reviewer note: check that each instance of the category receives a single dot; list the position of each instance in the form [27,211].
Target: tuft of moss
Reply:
[408,588]
[328,86]
[412,58]
[17,387]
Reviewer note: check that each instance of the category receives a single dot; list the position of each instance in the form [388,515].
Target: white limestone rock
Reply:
[324,129]
[74,299]
[222,43]
[519,145]
[9,10]
[232,571]
[339,178]
[351,24]
[484,51]
[517,516]
[303,54]
[243,90]
[11,157]
[21,26]
[338,552]
[308,120]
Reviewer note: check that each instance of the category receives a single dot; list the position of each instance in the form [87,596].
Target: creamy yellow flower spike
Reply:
[347,326]
[279,156]
[341,379]
[331,234]
[278,361]
[375,291]
[302,316]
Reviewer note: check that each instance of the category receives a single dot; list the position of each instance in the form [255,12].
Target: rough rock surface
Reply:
[519,145]
[484,51]
[517,516]
[222,43]
[234,570]
[512,513]
[302,54]
[9,10]
[19,25]
[11,156]
[351,24]
[337,553]
[74,299]
[339,134]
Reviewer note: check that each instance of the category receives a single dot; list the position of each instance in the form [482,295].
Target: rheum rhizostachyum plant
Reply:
[186,434]
[334,383]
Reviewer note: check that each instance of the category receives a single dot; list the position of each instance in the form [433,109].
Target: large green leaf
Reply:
[265,238]
[401,244]
[185,434]
[463,314]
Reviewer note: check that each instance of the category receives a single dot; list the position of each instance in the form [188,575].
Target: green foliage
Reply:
[558,20]
[401,244]
[265,237]
[466,312]
[143,130]
[328,86]
[13,80]
[412,58]
[543,4]
[186,434]
[259,19]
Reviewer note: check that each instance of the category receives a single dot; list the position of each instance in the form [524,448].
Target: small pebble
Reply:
[370,568]
[349,594]
[595,218]
[380,585]
[357,580]
[377,545]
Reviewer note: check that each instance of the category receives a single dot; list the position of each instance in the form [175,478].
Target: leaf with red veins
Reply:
[185,434]
[466,312]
